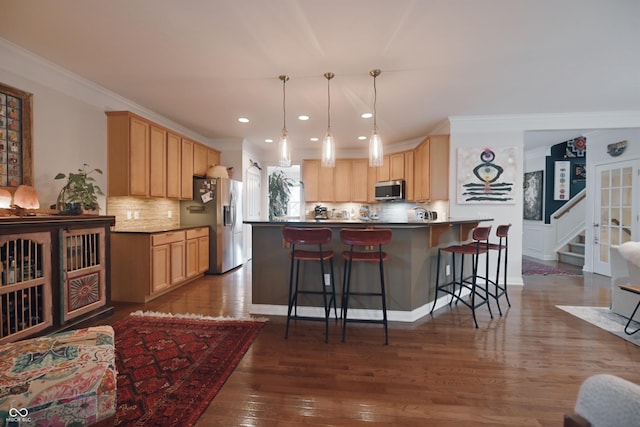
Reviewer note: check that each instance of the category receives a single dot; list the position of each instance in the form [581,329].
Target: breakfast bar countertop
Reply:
[378,222]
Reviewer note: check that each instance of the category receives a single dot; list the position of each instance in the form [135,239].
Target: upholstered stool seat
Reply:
[374,239]
[306,237]
[478,295]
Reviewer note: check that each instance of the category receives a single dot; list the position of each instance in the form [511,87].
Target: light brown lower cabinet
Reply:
[145,266]
[197,251]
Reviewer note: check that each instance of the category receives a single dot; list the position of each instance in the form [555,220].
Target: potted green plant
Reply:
[279,192]
[80,193]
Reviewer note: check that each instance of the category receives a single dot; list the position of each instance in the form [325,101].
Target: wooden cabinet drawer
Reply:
[166,238]
[197,232]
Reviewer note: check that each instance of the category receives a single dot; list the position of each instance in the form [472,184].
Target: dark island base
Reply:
[410,270]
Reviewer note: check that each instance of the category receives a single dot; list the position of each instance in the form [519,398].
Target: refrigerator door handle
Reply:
[232,210]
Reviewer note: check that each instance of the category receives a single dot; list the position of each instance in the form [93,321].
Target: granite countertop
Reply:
[341,222]
[154,229]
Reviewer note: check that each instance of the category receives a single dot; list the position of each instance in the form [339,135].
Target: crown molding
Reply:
[27,65]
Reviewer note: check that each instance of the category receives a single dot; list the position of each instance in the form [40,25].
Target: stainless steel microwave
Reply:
[390,190]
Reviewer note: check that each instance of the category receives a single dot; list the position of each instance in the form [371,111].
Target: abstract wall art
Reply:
[532,194]
[487,175]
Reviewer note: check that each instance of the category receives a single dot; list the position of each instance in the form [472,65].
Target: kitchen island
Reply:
[410,271]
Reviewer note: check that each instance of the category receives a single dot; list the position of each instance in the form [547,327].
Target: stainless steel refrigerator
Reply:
[217,202]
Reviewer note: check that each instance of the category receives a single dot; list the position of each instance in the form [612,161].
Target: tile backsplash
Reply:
[133,213]
[387,211]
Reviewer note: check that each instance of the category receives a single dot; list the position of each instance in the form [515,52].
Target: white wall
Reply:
[501,213]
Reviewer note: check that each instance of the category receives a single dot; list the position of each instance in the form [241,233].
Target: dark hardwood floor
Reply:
[521,369]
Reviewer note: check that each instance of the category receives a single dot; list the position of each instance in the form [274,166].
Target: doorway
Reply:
[615,211]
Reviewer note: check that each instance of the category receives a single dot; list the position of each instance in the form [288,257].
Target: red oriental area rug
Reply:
[171,367]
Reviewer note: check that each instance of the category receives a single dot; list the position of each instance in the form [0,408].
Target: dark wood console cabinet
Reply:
[55,273]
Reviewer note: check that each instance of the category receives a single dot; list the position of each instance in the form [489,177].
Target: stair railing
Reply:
[569,221]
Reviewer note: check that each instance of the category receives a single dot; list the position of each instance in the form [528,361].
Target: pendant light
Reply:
[375,143]
[328,144]
[284,147]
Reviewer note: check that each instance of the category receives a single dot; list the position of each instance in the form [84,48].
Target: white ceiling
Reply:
[204,63]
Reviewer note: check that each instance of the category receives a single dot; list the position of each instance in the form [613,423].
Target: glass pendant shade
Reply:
[328,143]
[328,150]
[284,150]
[284,147]
[375,143]
[375,149]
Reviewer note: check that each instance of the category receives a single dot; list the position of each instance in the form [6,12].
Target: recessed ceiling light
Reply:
[366,115]
[303,117]
[243,120]
[268,140]
[314,139]
[362,137]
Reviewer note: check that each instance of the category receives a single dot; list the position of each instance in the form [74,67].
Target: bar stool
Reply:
[478,295]
[304,237]
[373,238]
[502,233]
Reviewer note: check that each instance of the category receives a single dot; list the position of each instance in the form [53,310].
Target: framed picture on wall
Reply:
[532,192]
[487,176]
[579,172]
[16,148]
[561,180]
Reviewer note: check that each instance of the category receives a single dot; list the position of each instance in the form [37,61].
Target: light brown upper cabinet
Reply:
[432,169]
[186,187]
[128,154]
[213,157]
[310,170]
[203,158]
[396,166]
[157,162]
[174,166]
[145,159]
[200,165]
[409,167]
[360,180]
[342,180]
[384,171]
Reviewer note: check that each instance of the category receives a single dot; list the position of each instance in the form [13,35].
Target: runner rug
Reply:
[170,367]
[531,267]
[604,318]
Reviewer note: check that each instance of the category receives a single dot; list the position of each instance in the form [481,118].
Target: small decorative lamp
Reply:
[217,171]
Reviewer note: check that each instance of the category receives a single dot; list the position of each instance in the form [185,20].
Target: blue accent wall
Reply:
[565,151]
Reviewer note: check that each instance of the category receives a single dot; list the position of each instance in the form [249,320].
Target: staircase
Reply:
[573,252]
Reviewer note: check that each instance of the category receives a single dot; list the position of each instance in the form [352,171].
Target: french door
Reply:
[615,211]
